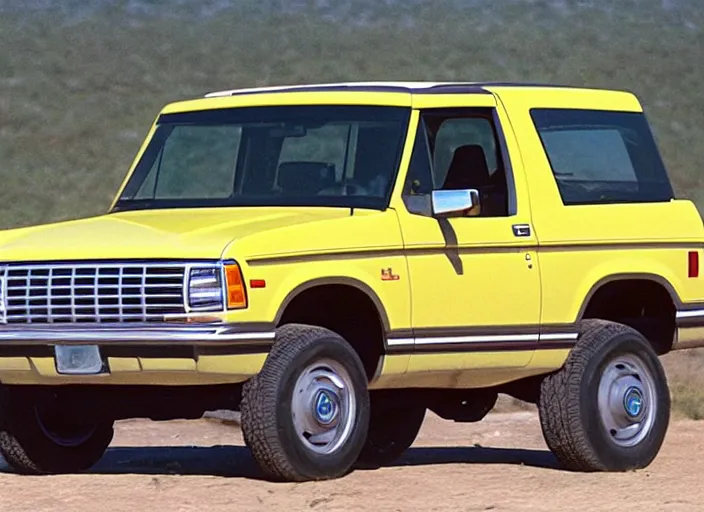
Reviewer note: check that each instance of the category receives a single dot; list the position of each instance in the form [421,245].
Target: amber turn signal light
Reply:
[236,294]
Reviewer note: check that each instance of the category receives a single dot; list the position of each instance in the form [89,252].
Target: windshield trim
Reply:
[363,203]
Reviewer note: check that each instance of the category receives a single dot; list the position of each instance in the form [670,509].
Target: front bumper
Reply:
[139,340]
[135,354]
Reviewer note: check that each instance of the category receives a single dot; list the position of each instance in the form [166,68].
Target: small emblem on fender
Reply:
[387,274]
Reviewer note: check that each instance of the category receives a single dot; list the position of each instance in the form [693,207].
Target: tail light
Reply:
[693,264]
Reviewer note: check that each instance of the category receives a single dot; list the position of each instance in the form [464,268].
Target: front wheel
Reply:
[608,408]
[37,440]
[305,415]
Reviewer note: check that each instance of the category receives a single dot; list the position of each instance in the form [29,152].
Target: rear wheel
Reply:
[305,415]
[42,440]
[608,408]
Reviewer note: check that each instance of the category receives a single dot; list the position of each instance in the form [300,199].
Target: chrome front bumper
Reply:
[160,353]
[194,335]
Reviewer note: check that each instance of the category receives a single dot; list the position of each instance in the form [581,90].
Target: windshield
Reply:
[344,156]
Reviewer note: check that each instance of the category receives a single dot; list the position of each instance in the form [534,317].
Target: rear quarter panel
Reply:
[580,246]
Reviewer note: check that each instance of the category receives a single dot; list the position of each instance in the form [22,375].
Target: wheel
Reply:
[40,440]
[392,430]
[608,408]
[305,415]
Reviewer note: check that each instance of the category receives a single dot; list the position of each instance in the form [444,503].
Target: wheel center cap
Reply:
[633,402]
[325,407]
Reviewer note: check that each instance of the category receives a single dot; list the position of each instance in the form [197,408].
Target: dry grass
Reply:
[686,378]
[79,86]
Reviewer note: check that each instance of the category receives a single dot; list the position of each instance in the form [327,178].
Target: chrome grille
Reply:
[91,293]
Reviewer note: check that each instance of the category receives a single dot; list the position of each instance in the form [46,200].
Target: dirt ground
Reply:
[500,464]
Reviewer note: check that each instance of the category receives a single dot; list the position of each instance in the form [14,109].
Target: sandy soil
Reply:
[499,464]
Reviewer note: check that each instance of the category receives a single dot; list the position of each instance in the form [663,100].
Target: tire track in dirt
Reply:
[500,464]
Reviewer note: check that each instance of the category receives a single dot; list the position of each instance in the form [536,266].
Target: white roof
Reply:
[392,84]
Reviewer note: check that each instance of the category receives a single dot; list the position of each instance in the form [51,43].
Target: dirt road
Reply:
[500,464]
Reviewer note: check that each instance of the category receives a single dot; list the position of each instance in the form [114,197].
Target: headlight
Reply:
[216,288]
[205,289]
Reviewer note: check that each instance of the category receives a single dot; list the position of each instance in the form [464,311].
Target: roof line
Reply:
[398,87]
[402,87]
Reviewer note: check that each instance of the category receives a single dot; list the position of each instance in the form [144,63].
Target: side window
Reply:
[458,149]
[464,131]
[602,157]
[419,179]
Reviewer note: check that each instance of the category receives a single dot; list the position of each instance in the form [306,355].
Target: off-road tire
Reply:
[392,430]
[267,423]
[568,403]
[28,450]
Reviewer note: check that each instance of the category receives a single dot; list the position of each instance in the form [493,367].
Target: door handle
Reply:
[521,230]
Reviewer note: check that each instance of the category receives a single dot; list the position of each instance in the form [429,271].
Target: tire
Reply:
[392,431]
[36,442]
[295,393]
[584,407]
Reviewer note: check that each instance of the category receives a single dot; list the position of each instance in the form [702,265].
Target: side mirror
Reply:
[455,202]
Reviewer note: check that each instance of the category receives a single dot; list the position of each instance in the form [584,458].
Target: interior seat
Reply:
[468,169]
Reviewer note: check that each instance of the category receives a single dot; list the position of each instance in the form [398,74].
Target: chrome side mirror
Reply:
[455,202]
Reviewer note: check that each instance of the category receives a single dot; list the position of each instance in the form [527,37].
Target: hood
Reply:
[180,234]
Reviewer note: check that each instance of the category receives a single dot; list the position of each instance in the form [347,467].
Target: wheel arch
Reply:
[365,329]
[658,326]
[629,276]
[340,281]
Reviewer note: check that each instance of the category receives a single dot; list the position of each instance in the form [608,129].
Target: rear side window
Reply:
[602,156]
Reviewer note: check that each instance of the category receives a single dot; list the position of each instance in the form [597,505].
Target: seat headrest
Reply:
[468,168]
[305,177]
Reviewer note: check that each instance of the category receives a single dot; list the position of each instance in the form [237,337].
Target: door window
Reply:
[457,150]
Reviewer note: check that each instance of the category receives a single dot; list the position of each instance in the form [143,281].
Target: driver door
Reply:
[475,284]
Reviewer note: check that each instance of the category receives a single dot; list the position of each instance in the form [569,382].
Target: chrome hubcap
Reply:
[633,402]
[627,400]
[324,406]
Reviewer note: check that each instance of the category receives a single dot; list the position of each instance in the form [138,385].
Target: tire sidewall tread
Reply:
[568,403]
[266,421]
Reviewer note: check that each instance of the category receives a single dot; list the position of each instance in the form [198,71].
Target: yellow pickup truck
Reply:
[333,260]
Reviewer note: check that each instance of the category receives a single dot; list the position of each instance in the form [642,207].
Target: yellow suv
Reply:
[333,260]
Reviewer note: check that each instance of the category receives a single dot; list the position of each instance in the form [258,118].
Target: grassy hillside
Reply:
[81,82]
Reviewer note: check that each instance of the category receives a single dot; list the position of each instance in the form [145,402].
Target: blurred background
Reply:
[82,80]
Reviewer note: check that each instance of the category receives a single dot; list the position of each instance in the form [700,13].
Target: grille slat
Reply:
[73,296]
[49,284]
[83,293]
[3,294]
[121,300]
[116,296]
[175,286]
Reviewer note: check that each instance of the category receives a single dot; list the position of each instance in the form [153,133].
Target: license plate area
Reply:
[78,360]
